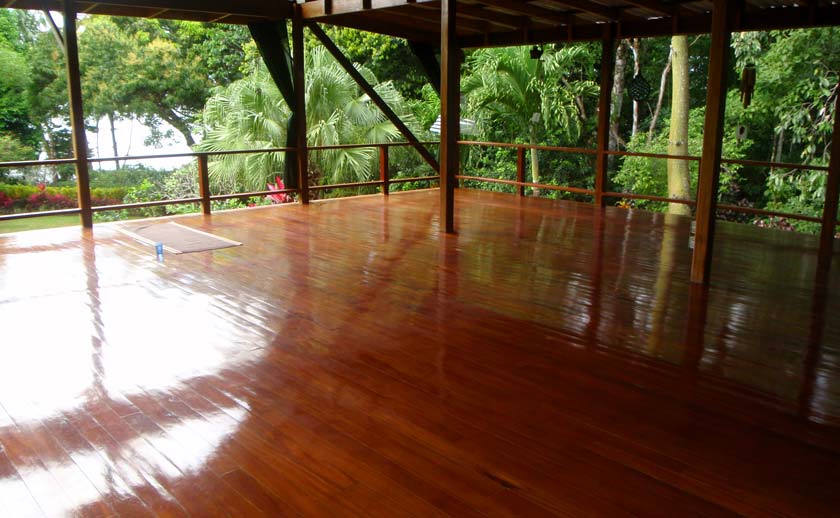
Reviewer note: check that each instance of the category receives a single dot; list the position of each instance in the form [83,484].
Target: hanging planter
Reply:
[639,88]
[747,84]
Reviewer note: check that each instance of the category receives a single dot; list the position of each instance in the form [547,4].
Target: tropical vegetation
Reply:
[206,84]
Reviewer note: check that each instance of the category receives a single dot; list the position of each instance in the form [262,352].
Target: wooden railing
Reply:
[205,197]
[521,184]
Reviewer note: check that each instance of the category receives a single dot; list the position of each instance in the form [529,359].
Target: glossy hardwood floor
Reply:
[349,359]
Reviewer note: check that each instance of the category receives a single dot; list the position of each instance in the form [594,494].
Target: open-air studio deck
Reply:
[349,358]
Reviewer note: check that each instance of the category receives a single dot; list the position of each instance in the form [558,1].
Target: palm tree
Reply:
[510,89]
[251,114]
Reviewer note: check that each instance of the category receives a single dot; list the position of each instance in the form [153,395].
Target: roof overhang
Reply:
[480,23]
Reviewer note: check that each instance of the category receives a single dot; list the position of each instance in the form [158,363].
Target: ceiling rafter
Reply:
[534,11]
[495,17]
[608,13]
[479,26]
[325,8]
[218,7]
[655,6]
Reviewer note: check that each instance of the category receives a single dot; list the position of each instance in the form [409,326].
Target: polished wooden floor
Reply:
[550,359]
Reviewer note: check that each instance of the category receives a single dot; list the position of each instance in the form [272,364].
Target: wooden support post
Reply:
[707,186]
[520,170]
[204,183]
[604,103]
[425,54]
[832,197]
[77,113]
[374,96]
[450,116]
[384,177]
[302,153]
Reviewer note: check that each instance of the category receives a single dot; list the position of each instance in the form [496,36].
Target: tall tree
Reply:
[251,114]
[507,89]
[157,70]
[16,126]
[679,178]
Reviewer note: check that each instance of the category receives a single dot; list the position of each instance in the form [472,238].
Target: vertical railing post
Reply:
[604,103]
[302,153]
[77,114]
[520,170]
[450,113]
[384,177]
[709,173]
[832,197]
[204,183]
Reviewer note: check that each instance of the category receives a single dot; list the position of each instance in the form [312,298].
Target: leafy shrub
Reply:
[42,200]
[17,198]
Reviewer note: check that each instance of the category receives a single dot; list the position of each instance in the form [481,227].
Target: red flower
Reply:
[279,186]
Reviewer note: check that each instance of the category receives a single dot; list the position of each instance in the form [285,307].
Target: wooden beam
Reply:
[204,183]
[77,114]
[383,170]
[478,12]
[655,6]
[602,11]
[450,116]
[324,8]
[495,17]
[698,24]
[832,196]
[425,54]
[374,96]
[604,103]
[56,32]
[464,24]
[549,15]
[274,10]
[707,187]
[302,153]
[397,30]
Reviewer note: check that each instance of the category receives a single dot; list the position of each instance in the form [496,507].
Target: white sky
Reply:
[130,142]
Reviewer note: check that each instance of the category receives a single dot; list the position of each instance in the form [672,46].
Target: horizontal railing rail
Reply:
[521,184]
[384,180]
[202,160]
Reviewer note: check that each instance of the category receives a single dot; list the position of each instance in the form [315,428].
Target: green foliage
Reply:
[505,88]
[13,150]
[22,196]
[797,80]
[15,80]
[126,176]
[251,114]
[641,175]
[387,58]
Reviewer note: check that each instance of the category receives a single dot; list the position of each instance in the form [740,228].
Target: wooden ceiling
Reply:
[480,22]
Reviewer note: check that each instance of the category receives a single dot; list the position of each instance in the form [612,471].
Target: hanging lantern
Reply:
[639,88]
[747,84]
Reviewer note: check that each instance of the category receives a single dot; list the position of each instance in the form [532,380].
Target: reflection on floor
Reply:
[351,360]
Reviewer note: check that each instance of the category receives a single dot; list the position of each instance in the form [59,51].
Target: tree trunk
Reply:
[535,162]
[662,83]
[182,126]
[662,288]
[114,140]
[637,68]
[679,180]
[617,96]
[539,73]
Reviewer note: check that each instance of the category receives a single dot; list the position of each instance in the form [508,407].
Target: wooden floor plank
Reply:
[349,359]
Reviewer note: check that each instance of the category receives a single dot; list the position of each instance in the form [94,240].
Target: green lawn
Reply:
[18,225]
